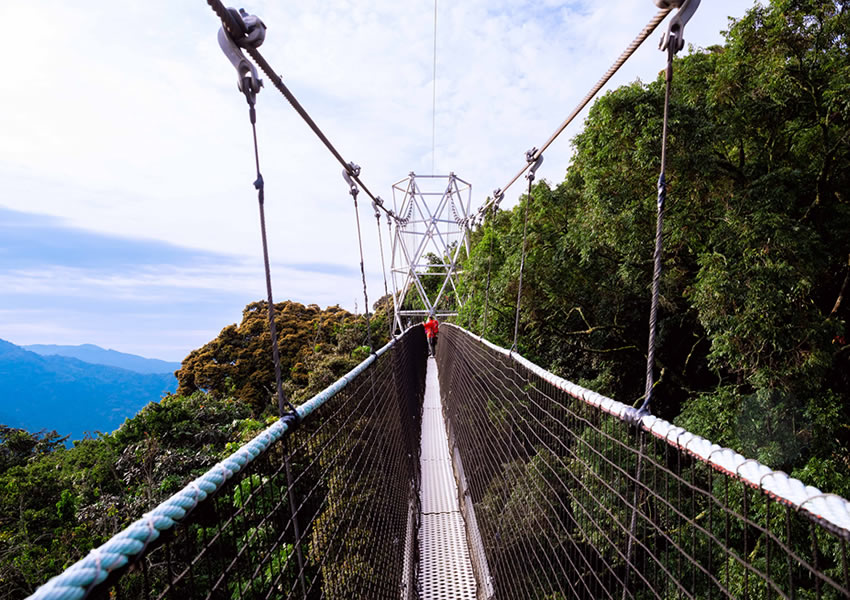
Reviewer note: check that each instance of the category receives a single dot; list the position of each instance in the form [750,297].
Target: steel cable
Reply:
[630,49]
[362,271]
[384,268]
[659,238]
[552,481]
[227,21]
[259,184]
[522,255]
[492,234]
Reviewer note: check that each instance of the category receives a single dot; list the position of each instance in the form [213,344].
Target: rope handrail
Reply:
[828,508]
[77,580]
[573,501]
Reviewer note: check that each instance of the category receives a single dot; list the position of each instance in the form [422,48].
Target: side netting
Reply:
[572,496]
[354,471]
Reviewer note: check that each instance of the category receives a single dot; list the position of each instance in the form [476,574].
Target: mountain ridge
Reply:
[69,395]
[96,355]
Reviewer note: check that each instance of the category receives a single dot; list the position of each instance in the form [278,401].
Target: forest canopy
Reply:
[752,349]
[316,348]
[57,503]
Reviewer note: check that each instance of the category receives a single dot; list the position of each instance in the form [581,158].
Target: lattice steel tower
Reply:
[432,230]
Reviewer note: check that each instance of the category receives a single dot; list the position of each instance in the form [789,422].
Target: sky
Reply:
[128,218]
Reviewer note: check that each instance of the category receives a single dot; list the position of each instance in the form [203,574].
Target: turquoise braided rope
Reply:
[80,578]
[75,582]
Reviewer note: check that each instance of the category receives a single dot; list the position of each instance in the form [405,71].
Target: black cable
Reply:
[534,159]
[353,190]
[236,34]
[521,266]
[489,267]
[659,239]
[653,311]
[434,97]
[283,403]
[383,263]
[645,33]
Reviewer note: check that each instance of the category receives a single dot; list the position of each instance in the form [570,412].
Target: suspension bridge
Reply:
[475,474]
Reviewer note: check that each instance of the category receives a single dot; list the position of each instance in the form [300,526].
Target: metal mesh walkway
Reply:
[445,569]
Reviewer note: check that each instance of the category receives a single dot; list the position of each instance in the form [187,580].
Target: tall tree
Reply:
[752,339]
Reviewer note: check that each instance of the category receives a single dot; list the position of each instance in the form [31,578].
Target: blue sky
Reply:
[61,284]
[127,215]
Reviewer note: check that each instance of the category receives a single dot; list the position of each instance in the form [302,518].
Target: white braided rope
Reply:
[827,507]
[80,578]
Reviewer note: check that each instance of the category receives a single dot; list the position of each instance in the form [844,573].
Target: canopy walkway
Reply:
[478,475]
[544,490]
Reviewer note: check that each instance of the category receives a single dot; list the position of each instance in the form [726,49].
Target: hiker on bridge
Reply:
[432,328]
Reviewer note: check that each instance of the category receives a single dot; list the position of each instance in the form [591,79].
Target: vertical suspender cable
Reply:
[653,318]
[383,263]
[497,198]
[434,97]
[251,33]
[672,42]
[282,402]
[353,171]
[659,237]
[535,161]
[284,406]
[521,266]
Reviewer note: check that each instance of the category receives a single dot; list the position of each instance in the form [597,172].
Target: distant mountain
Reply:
[69,395]
[98,356]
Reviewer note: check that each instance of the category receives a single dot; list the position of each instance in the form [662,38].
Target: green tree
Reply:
[239,361]
[752,350]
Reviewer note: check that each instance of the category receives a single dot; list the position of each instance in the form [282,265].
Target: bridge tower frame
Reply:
[431,232]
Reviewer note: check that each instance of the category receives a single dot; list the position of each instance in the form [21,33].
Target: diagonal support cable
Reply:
[630,49]
[232,28]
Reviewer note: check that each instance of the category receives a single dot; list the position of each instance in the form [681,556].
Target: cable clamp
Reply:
[534,158]
[633,416]
[243,31]
[377,205]
[291,419]
[674,39]
[349,173]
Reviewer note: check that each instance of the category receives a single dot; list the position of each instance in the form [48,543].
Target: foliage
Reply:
[752,350]
[56,503]
[316,347]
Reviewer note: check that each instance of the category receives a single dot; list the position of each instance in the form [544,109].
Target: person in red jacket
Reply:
[432,328]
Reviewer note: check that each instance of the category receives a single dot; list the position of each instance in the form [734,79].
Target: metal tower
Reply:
[431,232]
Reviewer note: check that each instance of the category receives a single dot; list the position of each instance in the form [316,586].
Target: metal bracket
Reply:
[536,160]
[674,39]
[251,34]
[348,174]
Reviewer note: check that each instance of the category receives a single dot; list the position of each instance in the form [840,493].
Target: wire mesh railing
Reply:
[341,523]
[573,495]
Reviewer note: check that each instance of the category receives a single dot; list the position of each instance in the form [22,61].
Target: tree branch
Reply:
[608,350]
[843,290]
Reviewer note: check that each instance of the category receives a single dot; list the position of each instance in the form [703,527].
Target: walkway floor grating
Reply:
[445,570]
